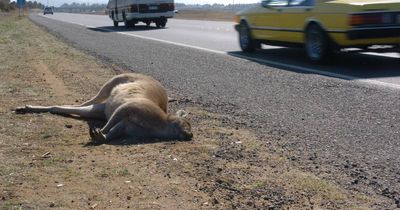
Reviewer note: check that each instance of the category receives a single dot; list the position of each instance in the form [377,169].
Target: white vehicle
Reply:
[133,11]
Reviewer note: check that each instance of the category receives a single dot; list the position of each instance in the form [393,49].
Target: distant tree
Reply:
[34,5]
[5,5]
[80,7]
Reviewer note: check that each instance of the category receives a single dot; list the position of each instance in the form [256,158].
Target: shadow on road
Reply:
[351,65]
[110,29]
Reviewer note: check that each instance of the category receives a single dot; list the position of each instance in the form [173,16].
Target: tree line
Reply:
[6,5]
[80,7]
[84,7]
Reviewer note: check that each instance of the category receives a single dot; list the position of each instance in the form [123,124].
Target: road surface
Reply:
[220,37]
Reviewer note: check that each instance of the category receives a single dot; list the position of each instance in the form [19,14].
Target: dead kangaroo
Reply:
[133,105]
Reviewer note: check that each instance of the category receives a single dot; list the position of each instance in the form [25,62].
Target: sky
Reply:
[60,2]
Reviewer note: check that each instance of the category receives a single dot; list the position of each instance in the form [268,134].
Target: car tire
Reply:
[398,51]
[161,22]
[317,44]
[115,23]
[129,24]
[246,41]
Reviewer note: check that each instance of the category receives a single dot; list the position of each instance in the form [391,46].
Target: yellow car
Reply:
[321,26]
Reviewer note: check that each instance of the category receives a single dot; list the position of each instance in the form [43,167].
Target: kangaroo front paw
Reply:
[96,135]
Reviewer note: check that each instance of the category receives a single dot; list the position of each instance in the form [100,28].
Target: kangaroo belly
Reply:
[125,93]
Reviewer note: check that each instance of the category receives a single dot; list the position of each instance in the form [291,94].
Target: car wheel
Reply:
[129,24]
[158,23]
[247,43]
[115,23]
[163,22]
[316,44]
[398,50]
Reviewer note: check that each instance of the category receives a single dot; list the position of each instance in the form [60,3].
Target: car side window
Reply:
[301,3]
[278,3]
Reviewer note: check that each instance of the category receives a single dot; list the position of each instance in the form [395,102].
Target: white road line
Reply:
[277,64]
[161,40]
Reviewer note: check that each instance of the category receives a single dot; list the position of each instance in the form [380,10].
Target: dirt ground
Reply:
[49,161]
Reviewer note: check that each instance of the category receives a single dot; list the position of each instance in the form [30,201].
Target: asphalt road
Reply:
[340,129]
[220,37]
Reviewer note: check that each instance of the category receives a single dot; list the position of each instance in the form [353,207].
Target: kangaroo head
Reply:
[179,127]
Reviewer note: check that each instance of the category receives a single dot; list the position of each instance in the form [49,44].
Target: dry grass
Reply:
[222,167]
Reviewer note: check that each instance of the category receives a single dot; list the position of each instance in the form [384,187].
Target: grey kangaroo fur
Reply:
[133,105]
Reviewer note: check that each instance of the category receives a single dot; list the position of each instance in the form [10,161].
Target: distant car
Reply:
[47,10]
[133,11]
[321,26]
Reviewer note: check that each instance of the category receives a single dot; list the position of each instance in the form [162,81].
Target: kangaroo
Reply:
[133,105]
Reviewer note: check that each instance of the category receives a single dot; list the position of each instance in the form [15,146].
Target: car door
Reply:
[296,15]
[269,20]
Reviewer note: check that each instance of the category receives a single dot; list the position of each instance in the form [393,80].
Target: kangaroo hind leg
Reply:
[106,89]
[95,111]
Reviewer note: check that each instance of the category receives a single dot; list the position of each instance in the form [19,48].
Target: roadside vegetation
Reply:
[48,161]
[7,5]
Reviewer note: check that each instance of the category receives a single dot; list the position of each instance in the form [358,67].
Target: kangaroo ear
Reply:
[181,113]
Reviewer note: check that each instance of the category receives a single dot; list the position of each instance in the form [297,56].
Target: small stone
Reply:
[128,197]
[52,204]
[68,126]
